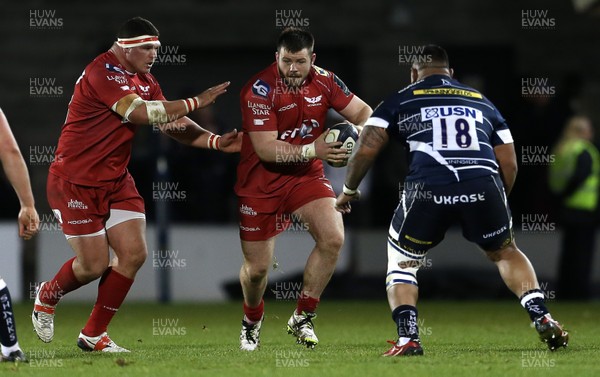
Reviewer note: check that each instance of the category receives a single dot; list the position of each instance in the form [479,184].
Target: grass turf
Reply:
[459,339]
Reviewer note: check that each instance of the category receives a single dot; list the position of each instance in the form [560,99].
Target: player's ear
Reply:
[313,57]
[414,74]
[451,72]
[276,56]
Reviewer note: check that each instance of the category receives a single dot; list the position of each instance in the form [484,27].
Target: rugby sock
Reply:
[112,289]
[64,282]
[533,302]
[307,304]
[253,315]
[405,318]
[8,329]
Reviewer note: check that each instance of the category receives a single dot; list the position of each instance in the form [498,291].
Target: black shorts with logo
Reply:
[426,212]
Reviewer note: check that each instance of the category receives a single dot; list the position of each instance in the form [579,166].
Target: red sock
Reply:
[64,282]
[255,314]
[112,289]
[307,304]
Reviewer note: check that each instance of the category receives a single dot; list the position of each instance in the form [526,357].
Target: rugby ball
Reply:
[347,134]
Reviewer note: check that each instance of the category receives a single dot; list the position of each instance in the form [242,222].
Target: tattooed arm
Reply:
[372,140]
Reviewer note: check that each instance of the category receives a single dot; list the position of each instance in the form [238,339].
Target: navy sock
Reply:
[8,330]
[405,317]
[533,302]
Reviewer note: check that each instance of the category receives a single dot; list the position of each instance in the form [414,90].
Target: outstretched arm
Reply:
[188,132]
[170,117]
[16,171]
[138,111]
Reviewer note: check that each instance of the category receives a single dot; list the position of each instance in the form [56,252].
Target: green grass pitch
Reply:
[471,338]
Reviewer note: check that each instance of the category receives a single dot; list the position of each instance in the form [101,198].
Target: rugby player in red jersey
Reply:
[280,176]
[89,188]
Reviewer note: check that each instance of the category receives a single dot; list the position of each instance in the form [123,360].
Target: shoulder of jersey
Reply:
[102,67]
[444,87]
[260,85]
[329,79]
[103,63]
[322,72]
[408,87]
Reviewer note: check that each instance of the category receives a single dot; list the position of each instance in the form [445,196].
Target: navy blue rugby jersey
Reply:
[450,129]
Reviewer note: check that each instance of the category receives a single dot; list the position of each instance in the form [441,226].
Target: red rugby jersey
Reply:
[298,116]
[94,146]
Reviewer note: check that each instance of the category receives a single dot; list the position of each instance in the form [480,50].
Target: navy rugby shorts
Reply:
[426,212]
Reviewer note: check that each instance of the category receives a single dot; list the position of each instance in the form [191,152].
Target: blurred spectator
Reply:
[544,109]
[574,179]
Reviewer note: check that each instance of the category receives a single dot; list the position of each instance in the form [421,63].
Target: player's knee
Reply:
[403,265]
[92,270]
[404,273]
[504,252]
[139,258]
[256,273]
[136,258]
[331,243]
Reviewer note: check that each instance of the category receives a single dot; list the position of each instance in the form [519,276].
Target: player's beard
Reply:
[293,81]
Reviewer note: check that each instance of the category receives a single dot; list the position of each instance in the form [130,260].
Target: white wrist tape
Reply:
[191,104]
[349,191]
[213,142]
[308,151]
[157,114]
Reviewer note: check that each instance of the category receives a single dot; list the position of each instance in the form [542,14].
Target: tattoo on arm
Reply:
[373,137]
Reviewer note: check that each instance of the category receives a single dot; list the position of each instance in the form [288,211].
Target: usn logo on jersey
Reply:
[454,127]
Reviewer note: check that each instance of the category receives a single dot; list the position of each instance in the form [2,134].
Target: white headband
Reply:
[138,41]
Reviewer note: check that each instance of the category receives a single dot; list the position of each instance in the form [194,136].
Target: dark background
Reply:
[227,40]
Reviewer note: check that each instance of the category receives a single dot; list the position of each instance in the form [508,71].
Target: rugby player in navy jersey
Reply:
[462,166]
[15,168]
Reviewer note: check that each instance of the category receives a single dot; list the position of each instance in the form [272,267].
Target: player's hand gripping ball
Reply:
[347,134]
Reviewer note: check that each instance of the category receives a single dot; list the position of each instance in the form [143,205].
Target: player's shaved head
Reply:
[431,60]
[295,39]
[135,27]
[431,56]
